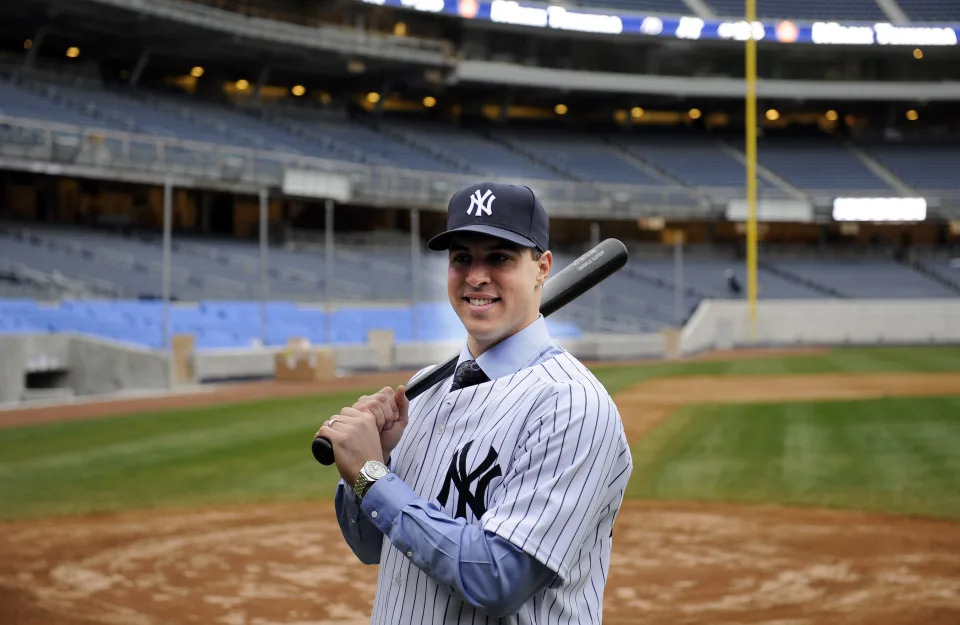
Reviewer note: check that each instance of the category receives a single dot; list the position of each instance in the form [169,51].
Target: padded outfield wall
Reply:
[726,324]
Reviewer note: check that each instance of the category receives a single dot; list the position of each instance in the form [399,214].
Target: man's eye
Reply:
[498,259]
[460,258]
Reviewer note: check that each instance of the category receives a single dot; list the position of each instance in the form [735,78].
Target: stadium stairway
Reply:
[764,175]
[880,170]
[928,269]
[529,154]
[415,142]
[649,169]
[799,280]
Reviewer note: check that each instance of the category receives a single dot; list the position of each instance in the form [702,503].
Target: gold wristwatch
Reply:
[372,471]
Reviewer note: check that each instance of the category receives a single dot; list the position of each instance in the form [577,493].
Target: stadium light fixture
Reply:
[560,109]
[636,112]
[773,114]
[326,98]
[879,209]
[27,44]
[243,84]
[373,97]
[400,29]
[912,115]
[917,53]
[298,90]
[73,52]
[196,71]
[429,101]
[695,113]
[831,115]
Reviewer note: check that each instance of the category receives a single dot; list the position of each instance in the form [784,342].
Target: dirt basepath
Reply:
[205,395]
[690,563]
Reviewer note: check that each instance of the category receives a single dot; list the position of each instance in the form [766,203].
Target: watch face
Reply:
[375,470]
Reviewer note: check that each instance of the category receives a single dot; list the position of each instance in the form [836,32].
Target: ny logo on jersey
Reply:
[483,203]
[462,481]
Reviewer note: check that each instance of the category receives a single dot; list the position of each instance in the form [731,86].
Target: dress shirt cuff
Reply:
[385,499]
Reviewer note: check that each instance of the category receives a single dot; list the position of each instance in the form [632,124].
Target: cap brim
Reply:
[442,240]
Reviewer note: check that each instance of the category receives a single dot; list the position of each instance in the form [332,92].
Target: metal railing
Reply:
[201,164]
[320,36]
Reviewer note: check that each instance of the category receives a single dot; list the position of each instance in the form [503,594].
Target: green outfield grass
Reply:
[841,360]
[260,451]
[899,455]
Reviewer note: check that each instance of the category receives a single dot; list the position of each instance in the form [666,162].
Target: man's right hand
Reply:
[390,408]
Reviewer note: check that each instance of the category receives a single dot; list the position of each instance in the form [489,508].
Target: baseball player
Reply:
[490,497]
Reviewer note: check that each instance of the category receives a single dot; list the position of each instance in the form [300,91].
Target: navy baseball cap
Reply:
[501,210]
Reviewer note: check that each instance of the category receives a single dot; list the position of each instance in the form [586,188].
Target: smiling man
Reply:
[497,489]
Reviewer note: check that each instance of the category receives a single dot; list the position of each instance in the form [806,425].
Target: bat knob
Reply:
[322,451]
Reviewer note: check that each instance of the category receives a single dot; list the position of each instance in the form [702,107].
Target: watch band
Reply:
[370,473]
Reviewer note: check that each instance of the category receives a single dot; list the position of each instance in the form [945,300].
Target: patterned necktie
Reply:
[468,373]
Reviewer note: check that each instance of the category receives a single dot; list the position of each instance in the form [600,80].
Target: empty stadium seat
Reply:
[930,10]
[808,9]
[818,165]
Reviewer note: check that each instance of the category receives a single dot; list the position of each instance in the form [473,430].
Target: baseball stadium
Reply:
[214,226]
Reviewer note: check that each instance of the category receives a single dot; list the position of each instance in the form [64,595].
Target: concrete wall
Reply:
[224,364]
[726,324]
[97,366]
[92,366]
[258,362]
[13,364]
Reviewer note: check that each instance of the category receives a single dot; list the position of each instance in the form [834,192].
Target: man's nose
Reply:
[478,274]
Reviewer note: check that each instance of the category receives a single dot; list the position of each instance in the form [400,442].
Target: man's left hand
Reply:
[356,438]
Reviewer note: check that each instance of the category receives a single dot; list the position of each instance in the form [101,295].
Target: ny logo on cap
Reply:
[484,203]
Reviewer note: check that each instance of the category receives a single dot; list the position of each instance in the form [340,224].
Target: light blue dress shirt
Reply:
[482,568]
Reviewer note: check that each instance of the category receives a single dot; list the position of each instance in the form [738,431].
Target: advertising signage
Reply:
[538,15]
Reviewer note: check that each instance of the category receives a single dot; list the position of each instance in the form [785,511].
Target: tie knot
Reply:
[467,374]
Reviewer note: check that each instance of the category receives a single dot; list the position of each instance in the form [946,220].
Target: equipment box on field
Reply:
[299,362]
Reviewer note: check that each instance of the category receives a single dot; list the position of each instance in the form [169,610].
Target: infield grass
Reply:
[260,451]
[899,455]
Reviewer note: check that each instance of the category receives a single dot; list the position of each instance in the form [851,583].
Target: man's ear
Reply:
[543,267]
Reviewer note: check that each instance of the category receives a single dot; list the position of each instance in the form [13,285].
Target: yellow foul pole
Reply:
[751,127]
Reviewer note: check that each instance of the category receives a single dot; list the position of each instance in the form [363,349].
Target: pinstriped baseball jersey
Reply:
[539,458]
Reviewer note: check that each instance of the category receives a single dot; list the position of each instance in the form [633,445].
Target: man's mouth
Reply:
[481,301]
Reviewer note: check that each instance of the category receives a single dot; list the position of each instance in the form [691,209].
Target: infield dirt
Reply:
[672,563]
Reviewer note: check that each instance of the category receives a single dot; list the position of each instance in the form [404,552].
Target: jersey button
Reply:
[440,429]
[409,554]
[373,514]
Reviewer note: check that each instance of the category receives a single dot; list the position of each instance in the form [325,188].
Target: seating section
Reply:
[852,10]
[19,102]
[820,165]
[931,10]
[579,156]
[868,278]
[695,161]
[694,165]
[657,7]
[230,324]
[921,166]
[948,270]
[487,156]
[215,286]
